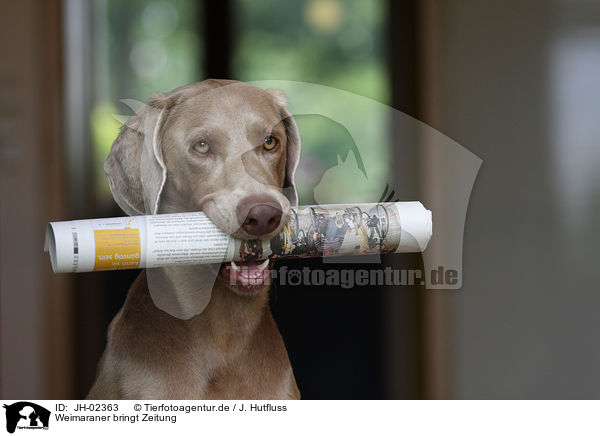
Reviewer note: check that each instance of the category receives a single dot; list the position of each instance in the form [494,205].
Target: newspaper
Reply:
[152,241]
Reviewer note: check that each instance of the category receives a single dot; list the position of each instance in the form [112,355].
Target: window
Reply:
[333,43]
[139,48]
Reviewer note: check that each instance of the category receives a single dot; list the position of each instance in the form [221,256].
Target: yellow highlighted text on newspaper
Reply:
[117,249]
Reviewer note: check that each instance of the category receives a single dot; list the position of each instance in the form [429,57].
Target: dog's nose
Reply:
[259,215]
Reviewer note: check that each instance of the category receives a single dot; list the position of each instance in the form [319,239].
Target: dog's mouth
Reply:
[246,276]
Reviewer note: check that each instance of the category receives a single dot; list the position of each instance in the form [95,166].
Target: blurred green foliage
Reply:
[104,130]
[152,46]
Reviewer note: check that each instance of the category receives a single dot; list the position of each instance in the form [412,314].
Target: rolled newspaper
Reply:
[153,241]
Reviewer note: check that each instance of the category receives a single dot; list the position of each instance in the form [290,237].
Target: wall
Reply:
[35,329]
[516,83]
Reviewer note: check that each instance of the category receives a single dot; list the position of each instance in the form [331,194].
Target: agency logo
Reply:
[26,415]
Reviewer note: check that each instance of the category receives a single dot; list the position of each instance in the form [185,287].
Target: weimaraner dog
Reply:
[230,150]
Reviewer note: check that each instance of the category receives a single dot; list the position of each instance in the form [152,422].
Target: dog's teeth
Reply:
[263,265]
[235,266]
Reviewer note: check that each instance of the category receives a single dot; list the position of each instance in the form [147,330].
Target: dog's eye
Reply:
[201,147]
[270,143]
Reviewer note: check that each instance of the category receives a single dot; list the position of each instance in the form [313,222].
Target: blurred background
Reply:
[516,83]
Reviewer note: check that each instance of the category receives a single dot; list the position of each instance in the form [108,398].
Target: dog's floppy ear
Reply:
[293,146]
[134,167]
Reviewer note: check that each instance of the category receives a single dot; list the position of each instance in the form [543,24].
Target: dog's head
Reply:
[223,147]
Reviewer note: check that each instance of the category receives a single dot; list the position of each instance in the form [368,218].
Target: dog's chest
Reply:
[198,383]
[197,373]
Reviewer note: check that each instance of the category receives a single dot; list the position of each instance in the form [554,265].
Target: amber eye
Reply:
[201,147]
[270,143]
